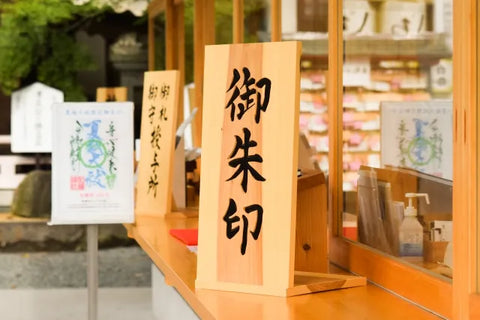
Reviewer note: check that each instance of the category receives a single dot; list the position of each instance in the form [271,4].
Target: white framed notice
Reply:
[418,135]
[92,163]
[31,118]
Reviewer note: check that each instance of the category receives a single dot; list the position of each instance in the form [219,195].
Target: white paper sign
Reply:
[31,118]
[418,135]
[358,17]
[356,73]
[92,163]
[403,18]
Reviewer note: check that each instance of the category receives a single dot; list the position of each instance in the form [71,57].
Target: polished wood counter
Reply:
[178,265]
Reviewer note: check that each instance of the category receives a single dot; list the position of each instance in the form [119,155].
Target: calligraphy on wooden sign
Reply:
[249,164]
[157,142]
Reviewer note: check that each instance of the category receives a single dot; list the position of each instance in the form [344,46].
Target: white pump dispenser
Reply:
[410,211]
[411,231]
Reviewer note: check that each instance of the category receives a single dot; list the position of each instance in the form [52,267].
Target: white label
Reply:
[356,73]
[411,243]
[441,76]
[92,163]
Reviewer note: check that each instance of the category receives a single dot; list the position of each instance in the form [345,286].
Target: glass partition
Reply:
[397,129]
[306,21]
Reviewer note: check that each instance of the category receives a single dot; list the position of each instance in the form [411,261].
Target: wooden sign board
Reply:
[249,165]
[31,118]
[247,217]
[157,142]
[92,167]
[112,94]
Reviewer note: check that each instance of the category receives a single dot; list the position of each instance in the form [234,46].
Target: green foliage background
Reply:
[37,44]
[37,41]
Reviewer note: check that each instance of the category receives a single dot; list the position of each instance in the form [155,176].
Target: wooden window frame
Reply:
[420,287]
[425,289]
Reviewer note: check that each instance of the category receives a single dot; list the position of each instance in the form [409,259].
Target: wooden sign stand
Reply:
[311,244]
[250,216]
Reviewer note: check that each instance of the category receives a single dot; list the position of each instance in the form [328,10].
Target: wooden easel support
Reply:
[311,245]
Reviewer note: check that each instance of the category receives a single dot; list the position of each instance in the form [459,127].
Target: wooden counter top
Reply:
[178,265]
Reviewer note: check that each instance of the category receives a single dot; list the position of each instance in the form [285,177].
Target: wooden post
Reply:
[171,33]
[154,9]
[175,45]
[204,33]
[466,162]
[276,19]
[335,114]
[238,28]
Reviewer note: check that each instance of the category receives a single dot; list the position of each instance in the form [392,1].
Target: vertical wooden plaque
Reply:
[249,164]
[157,142]
[248,196]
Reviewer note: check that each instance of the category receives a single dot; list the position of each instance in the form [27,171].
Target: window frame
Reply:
[425,289]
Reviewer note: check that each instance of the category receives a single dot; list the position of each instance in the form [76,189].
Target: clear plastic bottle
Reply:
[411,231]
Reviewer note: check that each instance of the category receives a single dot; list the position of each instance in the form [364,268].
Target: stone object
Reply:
[33,196]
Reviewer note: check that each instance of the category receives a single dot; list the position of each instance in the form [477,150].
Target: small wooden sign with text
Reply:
[112,94]
[157,142]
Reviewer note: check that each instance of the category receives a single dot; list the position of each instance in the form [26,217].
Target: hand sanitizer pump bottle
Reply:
[411,231]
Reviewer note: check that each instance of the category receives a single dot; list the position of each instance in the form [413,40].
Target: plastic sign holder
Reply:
[248,198]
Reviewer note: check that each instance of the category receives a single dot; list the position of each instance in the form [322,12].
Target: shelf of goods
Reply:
[377,68]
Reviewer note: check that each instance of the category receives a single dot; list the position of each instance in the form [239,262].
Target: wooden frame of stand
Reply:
[418,286]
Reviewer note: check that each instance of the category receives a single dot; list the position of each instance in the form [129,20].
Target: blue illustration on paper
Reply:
[93,155]
[421,147]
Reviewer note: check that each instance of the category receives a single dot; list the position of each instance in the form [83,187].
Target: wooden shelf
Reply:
[362,151]
[178,265]
[432,45]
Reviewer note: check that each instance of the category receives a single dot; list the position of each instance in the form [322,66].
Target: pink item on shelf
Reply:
[355,139]
[357,125]
[318,78]
[349,98]
[348,116]
[355,165]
